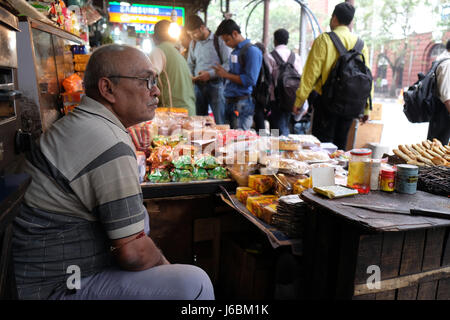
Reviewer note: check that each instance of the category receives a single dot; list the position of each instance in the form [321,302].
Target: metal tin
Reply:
[406,179]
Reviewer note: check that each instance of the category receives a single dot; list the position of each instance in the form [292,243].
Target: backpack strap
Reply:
[337,43]
[291,58]
[277,58]
[216,46]
[242,54]
[359,45]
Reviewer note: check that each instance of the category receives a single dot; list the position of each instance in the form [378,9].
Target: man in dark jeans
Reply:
[328,127]
[205,51]
[243,74]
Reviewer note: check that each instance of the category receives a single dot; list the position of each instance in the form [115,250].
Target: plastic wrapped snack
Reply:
[159,141]
[175,139]
[242,193]
[181,175]
[206,162]
[161,157]
[282,185]
[218,173]
[255,204]
[183,162]
[268,212]
[200,174]
[261,183]
[159,176]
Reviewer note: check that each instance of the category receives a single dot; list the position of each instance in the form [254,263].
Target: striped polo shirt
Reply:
[85,191]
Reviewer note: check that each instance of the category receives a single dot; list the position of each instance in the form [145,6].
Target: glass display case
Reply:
[45,61]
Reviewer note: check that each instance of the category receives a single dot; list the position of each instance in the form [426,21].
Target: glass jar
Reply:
[359,170]
[387,180]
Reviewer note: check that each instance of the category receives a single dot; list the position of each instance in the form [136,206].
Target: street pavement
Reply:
[397,129]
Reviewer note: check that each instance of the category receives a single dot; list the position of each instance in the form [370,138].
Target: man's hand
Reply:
[363,119]
[203,76]
[220,71]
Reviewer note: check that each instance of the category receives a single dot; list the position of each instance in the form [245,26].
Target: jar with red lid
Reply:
[359,170]
[387,180]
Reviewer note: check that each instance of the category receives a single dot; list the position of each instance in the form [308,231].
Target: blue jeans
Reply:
[210,93]
[302,127]
[240,113]
[166,282]
[279,119]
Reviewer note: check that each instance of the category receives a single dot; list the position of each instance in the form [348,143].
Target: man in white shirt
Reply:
[439,126]
[279,119]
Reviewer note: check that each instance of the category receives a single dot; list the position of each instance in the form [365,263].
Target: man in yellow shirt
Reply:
[321,59]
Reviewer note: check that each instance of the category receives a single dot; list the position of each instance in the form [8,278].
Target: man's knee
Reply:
[195,283]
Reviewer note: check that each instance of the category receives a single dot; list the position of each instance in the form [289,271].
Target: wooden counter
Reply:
[343,245]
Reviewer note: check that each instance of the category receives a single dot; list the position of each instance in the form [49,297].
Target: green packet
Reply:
[183,162]
[181,175]
[159,176]
[218,173]
[206,162]
[200,174]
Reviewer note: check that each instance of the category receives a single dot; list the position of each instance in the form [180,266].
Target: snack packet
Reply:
[206,162]
[159,176]
[180,175]
[200,174]
[218,173]
[183,162]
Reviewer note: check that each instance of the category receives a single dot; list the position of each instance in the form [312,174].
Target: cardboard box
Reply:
[360,135]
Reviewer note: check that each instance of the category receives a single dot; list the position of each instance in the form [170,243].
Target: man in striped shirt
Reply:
[83,230]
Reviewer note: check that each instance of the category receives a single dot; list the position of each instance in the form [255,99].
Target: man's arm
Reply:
[311,72]
[221,72]
[136,254]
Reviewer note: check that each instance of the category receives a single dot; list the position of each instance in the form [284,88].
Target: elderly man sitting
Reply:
[83,213]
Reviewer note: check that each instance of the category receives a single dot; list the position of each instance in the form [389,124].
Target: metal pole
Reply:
[266,23]
[302,40]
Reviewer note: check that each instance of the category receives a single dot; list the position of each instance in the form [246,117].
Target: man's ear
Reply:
[106,90]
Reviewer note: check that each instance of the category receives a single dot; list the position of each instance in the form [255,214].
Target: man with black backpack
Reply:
[337,69]
[287,68]
[205,50]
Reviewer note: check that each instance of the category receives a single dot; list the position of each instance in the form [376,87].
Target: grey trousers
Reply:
[166,282]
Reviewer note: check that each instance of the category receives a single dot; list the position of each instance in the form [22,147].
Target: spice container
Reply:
[359,170]
[387,180]
[406,179]
[375,174]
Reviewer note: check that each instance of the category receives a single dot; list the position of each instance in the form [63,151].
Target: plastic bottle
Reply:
[387,180]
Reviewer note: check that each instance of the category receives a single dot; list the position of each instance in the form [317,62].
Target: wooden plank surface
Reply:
[385,222]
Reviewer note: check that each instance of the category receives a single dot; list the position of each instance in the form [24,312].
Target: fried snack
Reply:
[406,152]
[161,157]
[418,147]
[412,150]
[426,144]
[439,161]
[403,156]
[261,183]
[434,154]
[426,155]
[417,163]
[298,189]
[425,160]
[438,151]
[437,142]
[284,188]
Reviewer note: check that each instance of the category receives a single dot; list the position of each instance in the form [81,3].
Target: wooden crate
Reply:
[414,265]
